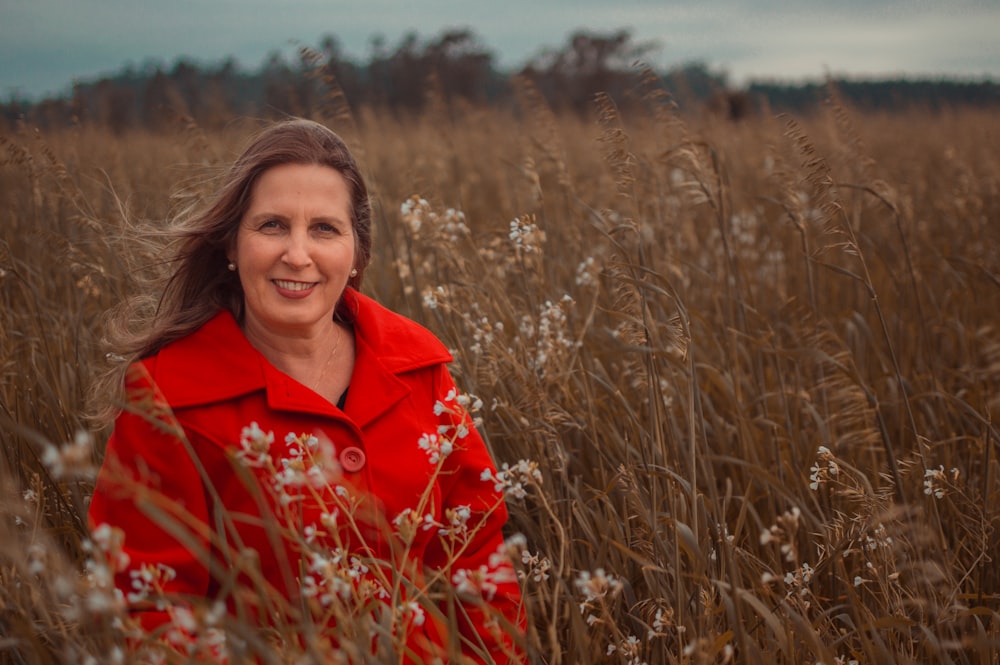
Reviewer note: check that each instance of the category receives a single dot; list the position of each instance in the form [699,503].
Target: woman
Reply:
[293,449]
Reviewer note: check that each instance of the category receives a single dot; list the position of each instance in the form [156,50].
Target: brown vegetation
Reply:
[757,365]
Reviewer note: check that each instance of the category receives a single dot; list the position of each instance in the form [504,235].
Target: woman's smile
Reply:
[294,286]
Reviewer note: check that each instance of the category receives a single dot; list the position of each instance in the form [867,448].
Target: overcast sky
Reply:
[46,44]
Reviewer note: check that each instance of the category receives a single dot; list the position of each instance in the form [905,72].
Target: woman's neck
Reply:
[302,356]
[322,360]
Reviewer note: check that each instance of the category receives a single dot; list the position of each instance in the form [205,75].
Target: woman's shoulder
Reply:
[212,362]
[219,331]
[397,339]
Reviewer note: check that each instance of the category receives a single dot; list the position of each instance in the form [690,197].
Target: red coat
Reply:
[184,481]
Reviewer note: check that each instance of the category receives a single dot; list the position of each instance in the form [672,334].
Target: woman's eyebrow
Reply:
[267,215]
[336,219]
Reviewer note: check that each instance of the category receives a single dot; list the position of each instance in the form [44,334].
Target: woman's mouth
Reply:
[294,286]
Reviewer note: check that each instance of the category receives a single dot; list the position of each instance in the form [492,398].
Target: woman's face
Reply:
[295,248]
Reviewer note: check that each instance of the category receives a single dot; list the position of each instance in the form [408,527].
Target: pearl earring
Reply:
[232,266]
[354,272]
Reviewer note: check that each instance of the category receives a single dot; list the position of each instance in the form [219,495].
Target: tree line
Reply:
[453,67]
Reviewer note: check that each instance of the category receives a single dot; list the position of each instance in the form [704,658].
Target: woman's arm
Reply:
[150,488]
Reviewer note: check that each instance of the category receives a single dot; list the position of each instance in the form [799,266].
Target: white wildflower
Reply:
[255,445]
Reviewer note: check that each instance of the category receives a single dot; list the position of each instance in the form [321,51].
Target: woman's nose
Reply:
[297,251]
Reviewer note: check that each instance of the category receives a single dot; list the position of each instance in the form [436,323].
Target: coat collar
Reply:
[216,363]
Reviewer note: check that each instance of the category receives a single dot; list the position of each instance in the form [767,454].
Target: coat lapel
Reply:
[374,389]
[217,363]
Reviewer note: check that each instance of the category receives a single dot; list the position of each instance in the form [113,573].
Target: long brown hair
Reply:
[199,284]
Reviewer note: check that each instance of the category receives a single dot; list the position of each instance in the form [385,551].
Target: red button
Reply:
[352,459]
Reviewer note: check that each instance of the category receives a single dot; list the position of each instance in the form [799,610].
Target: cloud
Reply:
[923,43]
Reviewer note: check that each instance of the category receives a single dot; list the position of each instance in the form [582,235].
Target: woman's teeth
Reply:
[294,286]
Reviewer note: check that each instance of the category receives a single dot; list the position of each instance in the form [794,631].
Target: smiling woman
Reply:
[372,515]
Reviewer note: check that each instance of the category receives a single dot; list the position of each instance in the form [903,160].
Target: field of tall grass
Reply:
[756,366]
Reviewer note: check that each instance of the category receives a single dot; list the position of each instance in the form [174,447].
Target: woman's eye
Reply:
[327,229]
[269,224]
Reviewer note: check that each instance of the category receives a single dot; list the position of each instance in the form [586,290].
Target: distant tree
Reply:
[455,64]
[280,94]
[52,112]
[461,65]
[338,74]
[733,105]
[694,84]
[14,109]
[189,81]
[588,64]
[162,102]
[221,98]
[115,105]
[404,74]
[929,95]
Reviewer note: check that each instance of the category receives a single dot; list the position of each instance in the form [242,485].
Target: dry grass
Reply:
[758,366]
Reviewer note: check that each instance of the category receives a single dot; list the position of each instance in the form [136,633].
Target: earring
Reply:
[232,266]
[354,272]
